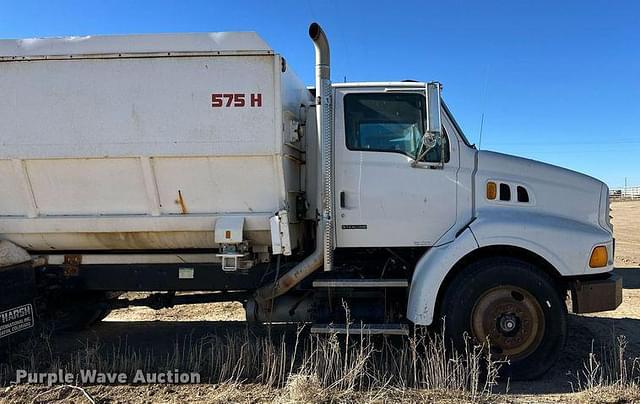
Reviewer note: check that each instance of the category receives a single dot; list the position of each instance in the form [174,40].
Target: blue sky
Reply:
[557,81]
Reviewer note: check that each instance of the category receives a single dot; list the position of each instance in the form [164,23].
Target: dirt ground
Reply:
[626,226]
[147,327]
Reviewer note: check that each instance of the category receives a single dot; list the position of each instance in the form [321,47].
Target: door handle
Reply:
[342,199]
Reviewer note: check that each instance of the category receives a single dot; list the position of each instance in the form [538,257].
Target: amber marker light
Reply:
[492,190]
[599,257]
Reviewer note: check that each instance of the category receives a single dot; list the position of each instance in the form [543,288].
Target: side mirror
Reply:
[433,108]
[433,134]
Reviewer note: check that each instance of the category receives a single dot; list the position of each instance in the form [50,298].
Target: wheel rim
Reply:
[511,319]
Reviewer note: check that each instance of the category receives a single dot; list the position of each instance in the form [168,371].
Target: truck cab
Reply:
[503,238]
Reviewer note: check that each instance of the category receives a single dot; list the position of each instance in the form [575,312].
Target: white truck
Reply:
[200,162]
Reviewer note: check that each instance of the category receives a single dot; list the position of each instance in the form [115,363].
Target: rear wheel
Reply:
[512,304]
[75,311]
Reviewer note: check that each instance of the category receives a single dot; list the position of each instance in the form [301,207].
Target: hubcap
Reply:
[511,319]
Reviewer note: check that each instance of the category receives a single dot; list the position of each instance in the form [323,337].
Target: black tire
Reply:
[514,304]
[104,312]
[76,311]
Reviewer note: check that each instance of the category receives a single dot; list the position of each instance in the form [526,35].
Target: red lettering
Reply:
[229,98]
[216,100]
[238,100]
[256,100]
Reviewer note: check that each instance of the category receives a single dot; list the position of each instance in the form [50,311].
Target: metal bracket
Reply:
[280,238]
[230,261]
[228,230]
[71,265]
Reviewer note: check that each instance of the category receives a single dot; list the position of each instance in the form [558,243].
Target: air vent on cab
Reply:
[503,191]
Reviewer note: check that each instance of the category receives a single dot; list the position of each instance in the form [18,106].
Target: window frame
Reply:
[423,114]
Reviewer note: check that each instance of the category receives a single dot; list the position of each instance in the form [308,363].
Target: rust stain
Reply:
[150,240]
[288,281]
[180,201]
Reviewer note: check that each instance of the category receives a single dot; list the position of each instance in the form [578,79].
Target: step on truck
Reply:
[200,162]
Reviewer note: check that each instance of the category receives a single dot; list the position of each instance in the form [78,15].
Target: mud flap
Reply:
[17,293]
[594,295]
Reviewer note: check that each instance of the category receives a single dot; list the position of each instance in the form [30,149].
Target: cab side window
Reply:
[387,122]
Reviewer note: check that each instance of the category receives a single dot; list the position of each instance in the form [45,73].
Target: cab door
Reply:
[381,199]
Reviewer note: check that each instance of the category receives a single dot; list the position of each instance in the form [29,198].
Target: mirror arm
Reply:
[422,151]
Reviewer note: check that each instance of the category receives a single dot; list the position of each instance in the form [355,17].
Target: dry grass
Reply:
[221,393]
[608,375]
[290,368]
[302,368]
[296,367]
[610,394]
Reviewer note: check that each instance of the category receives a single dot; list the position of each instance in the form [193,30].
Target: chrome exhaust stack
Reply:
[323,252]
[324,119]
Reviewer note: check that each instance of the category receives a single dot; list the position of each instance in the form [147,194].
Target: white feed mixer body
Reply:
[149,142]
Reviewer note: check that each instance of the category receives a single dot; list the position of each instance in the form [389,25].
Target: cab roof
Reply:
[408,84]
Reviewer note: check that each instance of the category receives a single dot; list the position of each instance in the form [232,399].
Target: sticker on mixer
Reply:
[15,320]
[241,100]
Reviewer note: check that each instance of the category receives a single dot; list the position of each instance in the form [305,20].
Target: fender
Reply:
[430,271]
[566,244]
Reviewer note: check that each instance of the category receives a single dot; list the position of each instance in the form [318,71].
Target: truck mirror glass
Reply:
[433,108]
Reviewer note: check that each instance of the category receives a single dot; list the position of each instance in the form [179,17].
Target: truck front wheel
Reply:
[512,304]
